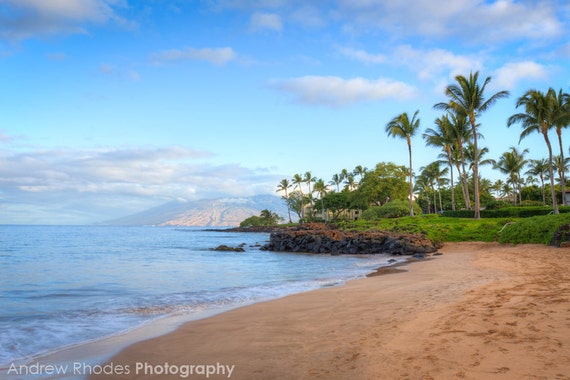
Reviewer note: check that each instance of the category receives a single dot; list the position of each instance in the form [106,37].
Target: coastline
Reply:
[482,310]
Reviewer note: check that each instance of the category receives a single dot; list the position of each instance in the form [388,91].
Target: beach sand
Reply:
[479,311]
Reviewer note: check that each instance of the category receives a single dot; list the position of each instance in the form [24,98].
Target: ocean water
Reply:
[64,285]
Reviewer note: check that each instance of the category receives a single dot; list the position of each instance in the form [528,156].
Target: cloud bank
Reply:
[334,91]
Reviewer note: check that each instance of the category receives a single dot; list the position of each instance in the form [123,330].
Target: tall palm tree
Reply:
[462,133]
[336,180]
[434,173]
[349,181]
[321,188]
[285,185]
[298,180]
[309,179]
[423,184]
[401,126]
[511,163]
[561,166]
[538,117]
[539,168]
[360,171]
[443,137]
[467,98]
[561,120]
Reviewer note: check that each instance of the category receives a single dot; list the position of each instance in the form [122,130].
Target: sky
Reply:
[110,107]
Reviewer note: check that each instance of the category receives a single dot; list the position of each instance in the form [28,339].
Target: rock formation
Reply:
[319,238]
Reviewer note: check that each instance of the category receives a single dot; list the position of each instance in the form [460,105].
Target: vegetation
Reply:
[451,184]
[265,218]
[394,209]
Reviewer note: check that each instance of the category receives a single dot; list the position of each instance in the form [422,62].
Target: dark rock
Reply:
[319,238]
[561,237]
[228,249]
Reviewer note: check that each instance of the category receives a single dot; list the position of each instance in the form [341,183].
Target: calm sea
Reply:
[64,285]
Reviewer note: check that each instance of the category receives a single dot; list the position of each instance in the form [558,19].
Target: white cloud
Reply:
[23,19]
[508,76]
[335,91]
[471,20]
[363,56]
[435,63]
[260,21]
[106,183]
[216,56]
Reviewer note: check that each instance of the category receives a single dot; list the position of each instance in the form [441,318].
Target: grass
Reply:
[538,229]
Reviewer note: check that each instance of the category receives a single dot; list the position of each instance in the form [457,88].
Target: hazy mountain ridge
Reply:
[221,212]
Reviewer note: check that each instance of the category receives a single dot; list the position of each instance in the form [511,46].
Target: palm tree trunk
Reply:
[465,182]
[543,190]
[477,214]
[411,183]
[562,174]
[551,169]
[451,174]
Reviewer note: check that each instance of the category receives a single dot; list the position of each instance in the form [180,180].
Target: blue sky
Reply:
[109,107]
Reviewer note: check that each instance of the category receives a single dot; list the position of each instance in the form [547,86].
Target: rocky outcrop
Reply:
[318,238]
[561,237]
[226,248]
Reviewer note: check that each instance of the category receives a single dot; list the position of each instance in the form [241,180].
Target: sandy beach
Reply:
[479,311]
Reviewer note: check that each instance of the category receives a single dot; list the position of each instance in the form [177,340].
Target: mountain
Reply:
[221,212]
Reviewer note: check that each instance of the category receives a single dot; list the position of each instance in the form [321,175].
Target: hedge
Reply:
[507,212]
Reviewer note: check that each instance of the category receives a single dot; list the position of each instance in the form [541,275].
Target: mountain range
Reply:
[220,212]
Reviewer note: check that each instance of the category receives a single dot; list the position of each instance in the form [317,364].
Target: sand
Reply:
[479,311]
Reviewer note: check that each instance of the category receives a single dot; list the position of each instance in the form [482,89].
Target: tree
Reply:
[336,180]
[360,171]
[336,203]
[309,179]
[443,137]
[538,117]
[467,98]
[321,188]
[386,182]
[296,202]
[285,185]
[539,168]
[511,163]
[561,111]
[401,126]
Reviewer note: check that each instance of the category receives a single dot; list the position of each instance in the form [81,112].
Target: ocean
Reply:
[63,286]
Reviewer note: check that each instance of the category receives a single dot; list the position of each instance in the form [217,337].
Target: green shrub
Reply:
[393,209]
[507,212]
[533,230]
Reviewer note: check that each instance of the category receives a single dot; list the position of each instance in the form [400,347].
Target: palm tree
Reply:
[336,180]
[434,173]
[443,137]
[423,184]
[298,180]
[308,180]
[462,133]
[539,168]
[561,166]
[561,120]
[284,185]
[360,171]
[401,126]
[538,117]
[321,188]
[466,98]
[349,181]
[511,163]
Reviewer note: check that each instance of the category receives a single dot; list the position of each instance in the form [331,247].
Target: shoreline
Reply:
[98,351]
[482,310]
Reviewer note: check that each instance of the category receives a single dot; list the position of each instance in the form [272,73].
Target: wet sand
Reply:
[479,311]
